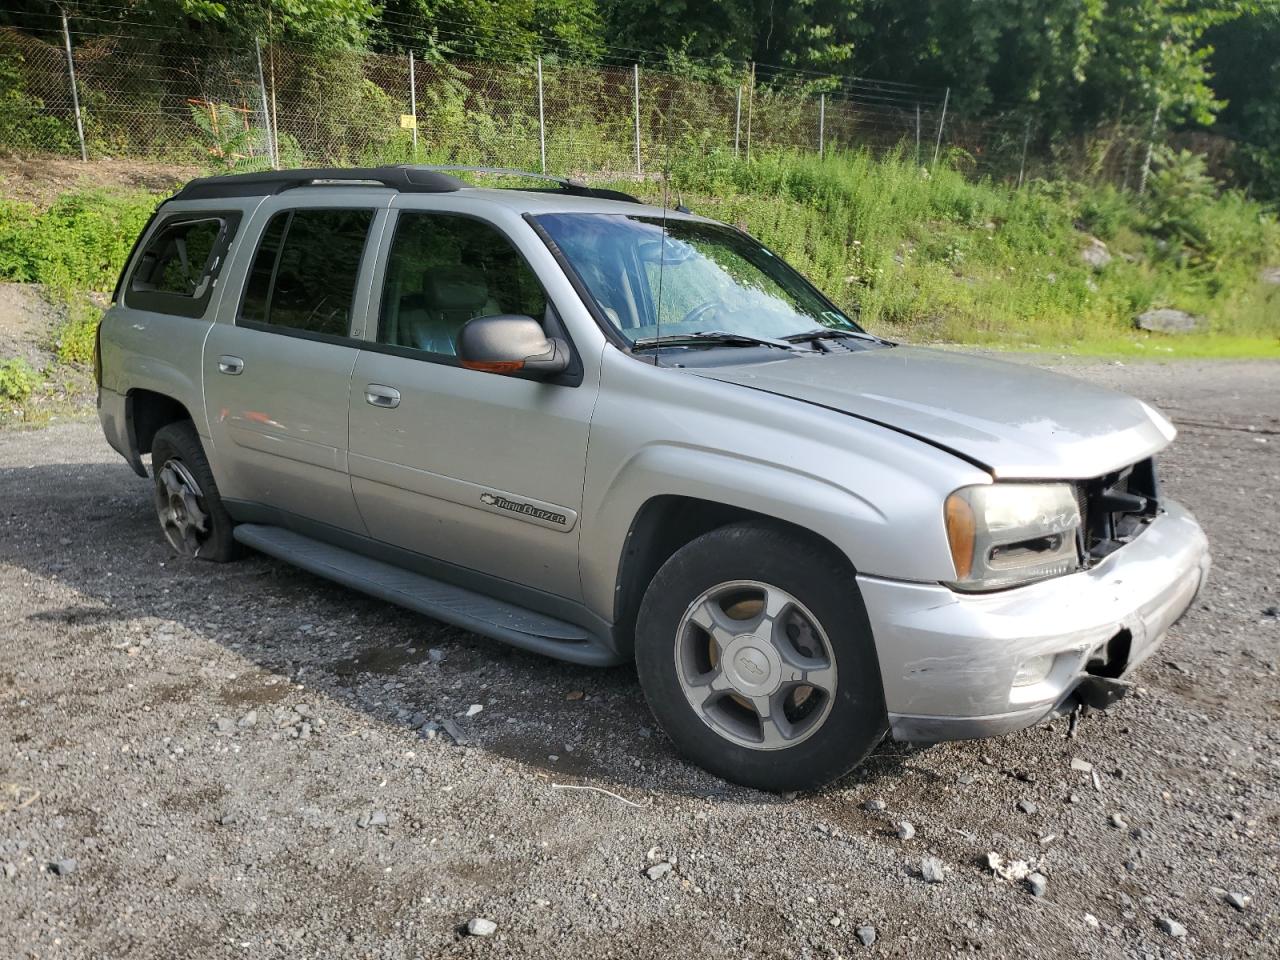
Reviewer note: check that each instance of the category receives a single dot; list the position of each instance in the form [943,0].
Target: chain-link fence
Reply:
[260,105]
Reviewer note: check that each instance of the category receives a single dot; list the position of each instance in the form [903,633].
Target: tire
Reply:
[192,517]
[814,733]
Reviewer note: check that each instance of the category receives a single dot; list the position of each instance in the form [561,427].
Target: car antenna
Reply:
[662,240]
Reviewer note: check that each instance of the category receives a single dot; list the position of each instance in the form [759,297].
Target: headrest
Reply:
[456,287]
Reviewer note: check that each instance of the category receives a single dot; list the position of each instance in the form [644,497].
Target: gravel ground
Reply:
[204,761]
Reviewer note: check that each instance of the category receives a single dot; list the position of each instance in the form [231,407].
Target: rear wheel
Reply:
[756,656]
[192,517]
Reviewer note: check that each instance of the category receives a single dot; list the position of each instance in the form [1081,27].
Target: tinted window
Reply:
[445,270]
[304,274]
[180,263]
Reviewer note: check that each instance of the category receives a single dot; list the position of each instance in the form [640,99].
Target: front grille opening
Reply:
[1116,508]
[1111,660]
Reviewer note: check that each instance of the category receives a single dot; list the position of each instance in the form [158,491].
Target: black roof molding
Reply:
[406,178]
[569,185]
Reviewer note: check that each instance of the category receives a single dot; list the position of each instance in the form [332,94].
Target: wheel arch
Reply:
[146,411]
[667,522]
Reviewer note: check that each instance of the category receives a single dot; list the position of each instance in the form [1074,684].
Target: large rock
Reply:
[1168,320]
[1270,275]
[1096,254]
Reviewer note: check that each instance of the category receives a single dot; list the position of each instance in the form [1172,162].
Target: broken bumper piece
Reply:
[959,666]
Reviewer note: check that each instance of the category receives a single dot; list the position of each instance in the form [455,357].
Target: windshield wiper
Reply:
[721,338]
[831,333]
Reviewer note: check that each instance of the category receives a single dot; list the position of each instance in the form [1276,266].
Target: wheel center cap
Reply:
[752,665]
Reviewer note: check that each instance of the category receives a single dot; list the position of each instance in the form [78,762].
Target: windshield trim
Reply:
[611,332]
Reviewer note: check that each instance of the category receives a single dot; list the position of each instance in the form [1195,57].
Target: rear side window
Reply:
[304,274]
[179,266]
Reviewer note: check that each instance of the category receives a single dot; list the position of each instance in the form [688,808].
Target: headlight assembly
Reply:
[1005,534]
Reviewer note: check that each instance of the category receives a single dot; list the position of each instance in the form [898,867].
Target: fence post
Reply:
[1022,165]
[822,123]
[542,122]
[737,122]
[413,106]
[917,133]
[751,100]
[75,95]
[636,92]
[266,109]
[941,120]
[1146,160]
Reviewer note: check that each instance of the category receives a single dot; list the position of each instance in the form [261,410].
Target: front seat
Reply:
[451,295]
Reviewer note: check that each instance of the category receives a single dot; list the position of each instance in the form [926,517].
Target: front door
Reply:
[278,374]
[477,469]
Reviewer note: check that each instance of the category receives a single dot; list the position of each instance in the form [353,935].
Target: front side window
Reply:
[304,274]
[687,277]
[176,271]
[444,270]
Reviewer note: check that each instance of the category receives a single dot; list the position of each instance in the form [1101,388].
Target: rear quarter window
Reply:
[178,267]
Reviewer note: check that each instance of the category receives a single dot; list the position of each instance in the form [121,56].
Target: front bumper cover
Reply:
[948,659]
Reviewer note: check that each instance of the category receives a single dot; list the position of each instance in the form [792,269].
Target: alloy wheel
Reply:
[755,665]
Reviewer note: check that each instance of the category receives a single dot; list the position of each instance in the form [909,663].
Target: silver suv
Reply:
[605,432]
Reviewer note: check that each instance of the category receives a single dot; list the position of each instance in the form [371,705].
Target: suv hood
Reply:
[1016,421]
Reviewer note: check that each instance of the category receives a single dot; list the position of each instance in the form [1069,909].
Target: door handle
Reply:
[231,366]
[382,396]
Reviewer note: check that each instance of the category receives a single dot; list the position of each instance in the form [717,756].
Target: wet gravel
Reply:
[245,761]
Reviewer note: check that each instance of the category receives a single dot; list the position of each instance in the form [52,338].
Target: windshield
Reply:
[701,277]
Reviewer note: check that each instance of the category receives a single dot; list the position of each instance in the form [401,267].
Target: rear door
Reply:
[477,469]
[277,368]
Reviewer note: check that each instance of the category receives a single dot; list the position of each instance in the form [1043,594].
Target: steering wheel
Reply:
[698,312]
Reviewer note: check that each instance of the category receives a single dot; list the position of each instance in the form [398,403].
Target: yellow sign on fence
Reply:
[408,121]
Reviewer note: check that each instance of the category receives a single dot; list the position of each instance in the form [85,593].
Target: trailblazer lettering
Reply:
[527,509]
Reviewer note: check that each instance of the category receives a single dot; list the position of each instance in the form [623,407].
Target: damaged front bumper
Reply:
[949,660]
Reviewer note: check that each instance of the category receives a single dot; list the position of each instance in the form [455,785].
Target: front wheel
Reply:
[756,657]
[191,513]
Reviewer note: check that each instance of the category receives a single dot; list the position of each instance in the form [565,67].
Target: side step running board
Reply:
[456,605]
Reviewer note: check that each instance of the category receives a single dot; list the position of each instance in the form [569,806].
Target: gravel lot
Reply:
[201,761]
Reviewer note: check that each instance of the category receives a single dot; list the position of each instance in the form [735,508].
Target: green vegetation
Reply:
[78,243]
[18,380]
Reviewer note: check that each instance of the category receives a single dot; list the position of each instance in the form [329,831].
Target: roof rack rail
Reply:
[402,177]
[567,184]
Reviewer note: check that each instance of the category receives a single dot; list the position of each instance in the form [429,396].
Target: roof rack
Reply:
[406,178]
[567,184]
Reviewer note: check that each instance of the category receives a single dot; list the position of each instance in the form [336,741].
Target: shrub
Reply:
[18,380]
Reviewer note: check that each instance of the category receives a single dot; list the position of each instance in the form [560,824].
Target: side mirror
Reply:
[508,343]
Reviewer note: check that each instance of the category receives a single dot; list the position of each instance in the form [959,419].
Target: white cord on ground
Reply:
[607,793]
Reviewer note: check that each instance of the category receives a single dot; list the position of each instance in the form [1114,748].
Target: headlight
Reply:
[1003,534]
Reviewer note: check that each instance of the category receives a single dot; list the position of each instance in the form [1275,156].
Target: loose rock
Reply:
[480,927]
[1238,900]
[906,830]
[874,806]
[1028,806]
[866,934]
[1038,883]
[658,870]
[65,866]
[1167,320]
[1096,254]
[1173,928]
[932,870]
